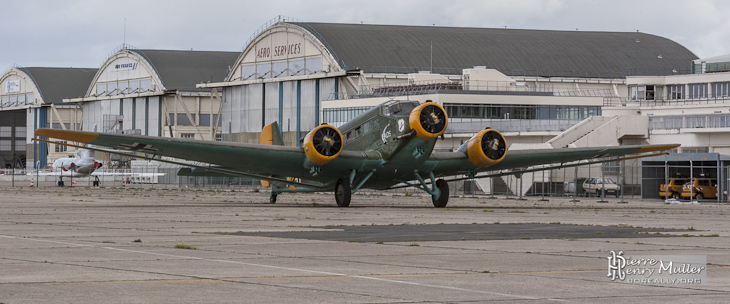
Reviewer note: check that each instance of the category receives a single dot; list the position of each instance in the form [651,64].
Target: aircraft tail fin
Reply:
[271,135]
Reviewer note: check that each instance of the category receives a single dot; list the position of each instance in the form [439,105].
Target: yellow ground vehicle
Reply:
[700,188]
[675,188]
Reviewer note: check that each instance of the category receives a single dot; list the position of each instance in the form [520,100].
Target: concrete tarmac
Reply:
[112,245]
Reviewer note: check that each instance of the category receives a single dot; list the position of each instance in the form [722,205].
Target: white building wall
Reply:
[154,116]
[308,110]
[127,112]
[252,108]
[326,89]
[272,103]
[140,118]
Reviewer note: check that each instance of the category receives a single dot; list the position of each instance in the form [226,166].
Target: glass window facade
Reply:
[295,67]
[675,92]
[697,90]
[182,119]
[721,89]
[493,111]
[339,116]
[124,87]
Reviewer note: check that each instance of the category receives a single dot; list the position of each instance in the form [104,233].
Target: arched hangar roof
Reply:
[55,84]
[406,49]
[182,70]
[130,71]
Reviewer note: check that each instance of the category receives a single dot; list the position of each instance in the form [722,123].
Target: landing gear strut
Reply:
[439,190]
[96,181]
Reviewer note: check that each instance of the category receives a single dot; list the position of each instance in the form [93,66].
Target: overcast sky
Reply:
[57,33]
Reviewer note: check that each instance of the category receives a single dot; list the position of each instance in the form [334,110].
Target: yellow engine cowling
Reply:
[429,120]
[323,144]
[486,148]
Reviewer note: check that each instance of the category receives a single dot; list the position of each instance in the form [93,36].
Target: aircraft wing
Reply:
[61,174]
[262,161]
[450,163]
[105,173]
[234,159]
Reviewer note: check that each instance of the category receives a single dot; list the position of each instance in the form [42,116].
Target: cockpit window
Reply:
[399,107]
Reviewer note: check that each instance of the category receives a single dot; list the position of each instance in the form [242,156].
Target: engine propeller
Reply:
[429,120]
[323,144]
[486,148]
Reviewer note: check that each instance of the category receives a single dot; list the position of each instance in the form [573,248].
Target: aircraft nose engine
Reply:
[486,148]
[97,164]
[323,144]
[429,120]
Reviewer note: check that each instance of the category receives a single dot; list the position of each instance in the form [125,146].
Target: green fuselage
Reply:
[384,133]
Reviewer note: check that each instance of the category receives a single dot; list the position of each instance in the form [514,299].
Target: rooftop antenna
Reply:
[124,41]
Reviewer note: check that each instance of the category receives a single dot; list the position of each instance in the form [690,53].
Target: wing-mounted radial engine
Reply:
[428,120]
[486,148]
[323,144]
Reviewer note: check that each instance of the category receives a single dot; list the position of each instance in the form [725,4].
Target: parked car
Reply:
[594,187]
[700,188]
[675,188]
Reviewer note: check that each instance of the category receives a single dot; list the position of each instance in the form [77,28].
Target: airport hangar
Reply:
[148,92]
[524,82]
[534,86]
[32,98]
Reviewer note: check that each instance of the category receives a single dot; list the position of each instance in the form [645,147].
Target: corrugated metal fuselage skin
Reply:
[387,138]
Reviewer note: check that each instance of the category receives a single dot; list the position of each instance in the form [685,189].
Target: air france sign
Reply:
[12,86]
[125,66]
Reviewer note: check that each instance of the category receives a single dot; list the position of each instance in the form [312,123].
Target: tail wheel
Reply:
[343,193]
[443,198]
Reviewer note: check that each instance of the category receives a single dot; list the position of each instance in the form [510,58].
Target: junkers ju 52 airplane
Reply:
[389,146]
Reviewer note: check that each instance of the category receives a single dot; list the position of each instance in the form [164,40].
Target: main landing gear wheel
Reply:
[272,198]
[343,193]
[443,198]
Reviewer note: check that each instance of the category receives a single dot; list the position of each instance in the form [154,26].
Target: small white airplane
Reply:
[81,166]
[85,165]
